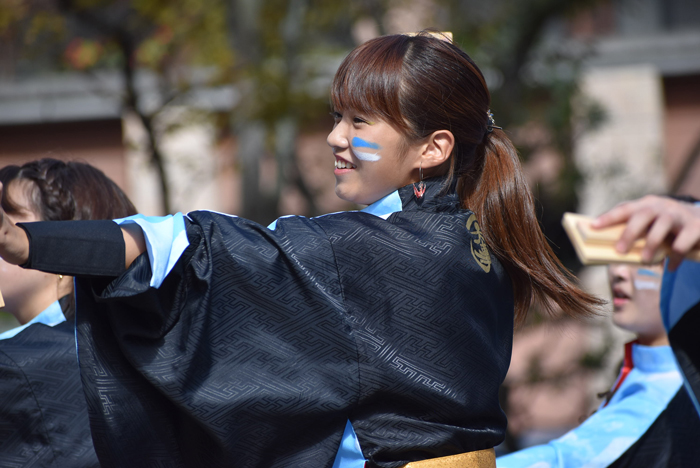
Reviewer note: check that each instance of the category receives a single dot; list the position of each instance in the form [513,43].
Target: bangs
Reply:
[369,80]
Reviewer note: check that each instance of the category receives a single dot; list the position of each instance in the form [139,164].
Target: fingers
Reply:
[647,217]
[659,220]
[617,215]
[637,227]
[662,226]
[688,239]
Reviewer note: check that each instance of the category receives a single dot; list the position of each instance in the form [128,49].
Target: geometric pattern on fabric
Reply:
[671,442]
[260,345]
[434,300]
[43,416]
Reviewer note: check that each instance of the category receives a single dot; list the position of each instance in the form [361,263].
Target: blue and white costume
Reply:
[612,430]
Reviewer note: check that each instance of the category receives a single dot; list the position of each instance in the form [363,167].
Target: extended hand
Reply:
[14,245]
[659,220]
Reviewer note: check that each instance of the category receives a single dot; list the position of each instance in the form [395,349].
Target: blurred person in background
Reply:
[646,419]
[43,415]
[675,224]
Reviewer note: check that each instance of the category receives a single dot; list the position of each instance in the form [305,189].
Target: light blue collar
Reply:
[51,316]
[385,206]
[653,358]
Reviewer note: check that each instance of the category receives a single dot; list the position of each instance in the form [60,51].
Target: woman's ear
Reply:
[438,148]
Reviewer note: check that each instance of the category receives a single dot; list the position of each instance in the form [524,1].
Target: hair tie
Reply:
[491,123]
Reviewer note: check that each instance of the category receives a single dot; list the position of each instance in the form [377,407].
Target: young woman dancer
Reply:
[232,344]
[43,416]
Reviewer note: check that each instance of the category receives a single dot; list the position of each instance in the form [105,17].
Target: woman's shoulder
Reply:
[39,344]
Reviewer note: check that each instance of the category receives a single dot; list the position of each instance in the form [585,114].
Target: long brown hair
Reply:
[421,84]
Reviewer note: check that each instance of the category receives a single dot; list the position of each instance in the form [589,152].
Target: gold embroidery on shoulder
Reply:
[479,250]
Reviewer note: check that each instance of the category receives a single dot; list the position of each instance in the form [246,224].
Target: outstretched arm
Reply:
[658,219]
[134,243]
[14,243]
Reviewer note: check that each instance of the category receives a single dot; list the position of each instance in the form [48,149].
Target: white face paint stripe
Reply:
[362,156]
[649,285]
[358,142]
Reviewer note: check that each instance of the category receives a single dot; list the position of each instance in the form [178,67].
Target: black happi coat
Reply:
[261,344]
[43,418]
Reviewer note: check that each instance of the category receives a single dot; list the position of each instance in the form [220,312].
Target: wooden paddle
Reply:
[597,246]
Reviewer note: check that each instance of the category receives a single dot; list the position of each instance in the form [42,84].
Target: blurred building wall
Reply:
[98,142]
[682,133]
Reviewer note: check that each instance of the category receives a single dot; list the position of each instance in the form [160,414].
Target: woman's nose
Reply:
[620,271]
[337,138]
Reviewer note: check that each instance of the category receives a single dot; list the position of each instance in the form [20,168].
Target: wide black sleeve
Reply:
[242,357]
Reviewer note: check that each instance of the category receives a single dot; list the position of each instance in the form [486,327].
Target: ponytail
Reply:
[495,189]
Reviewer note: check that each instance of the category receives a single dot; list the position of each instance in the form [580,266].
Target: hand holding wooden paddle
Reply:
[641,231]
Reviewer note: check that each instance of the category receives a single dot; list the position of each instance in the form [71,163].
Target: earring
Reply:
[420,190]
[60,277]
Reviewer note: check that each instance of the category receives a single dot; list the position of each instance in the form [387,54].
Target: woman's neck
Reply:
[654,340]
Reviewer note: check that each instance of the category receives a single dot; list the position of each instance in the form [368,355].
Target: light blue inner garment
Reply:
[607,434]
[385,206]
[349,454]
[166,239]
[51,316]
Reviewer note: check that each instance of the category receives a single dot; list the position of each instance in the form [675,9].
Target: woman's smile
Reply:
[342,165]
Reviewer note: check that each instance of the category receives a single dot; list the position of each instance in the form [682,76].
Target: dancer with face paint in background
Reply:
[647,418]
[225,343]
[676,223]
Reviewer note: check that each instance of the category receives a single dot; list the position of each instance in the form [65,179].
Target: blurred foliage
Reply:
[169,39]
[534,86]
[282,53]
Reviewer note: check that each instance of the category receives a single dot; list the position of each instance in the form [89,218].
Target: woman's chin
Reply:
[341,193]
[346,193]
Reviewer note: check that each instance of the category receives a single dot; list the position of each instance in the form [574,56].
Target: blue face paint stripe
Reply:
[645,272]
[360,143]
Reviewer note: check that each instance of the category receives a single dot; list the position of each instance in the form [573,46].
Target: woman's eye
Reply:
[337,116]
[359,120]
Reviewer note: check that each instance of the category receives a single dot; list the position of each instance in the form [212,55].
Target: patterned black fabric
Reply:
[670,442]
[684,341]
[43,418]
[260,344]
